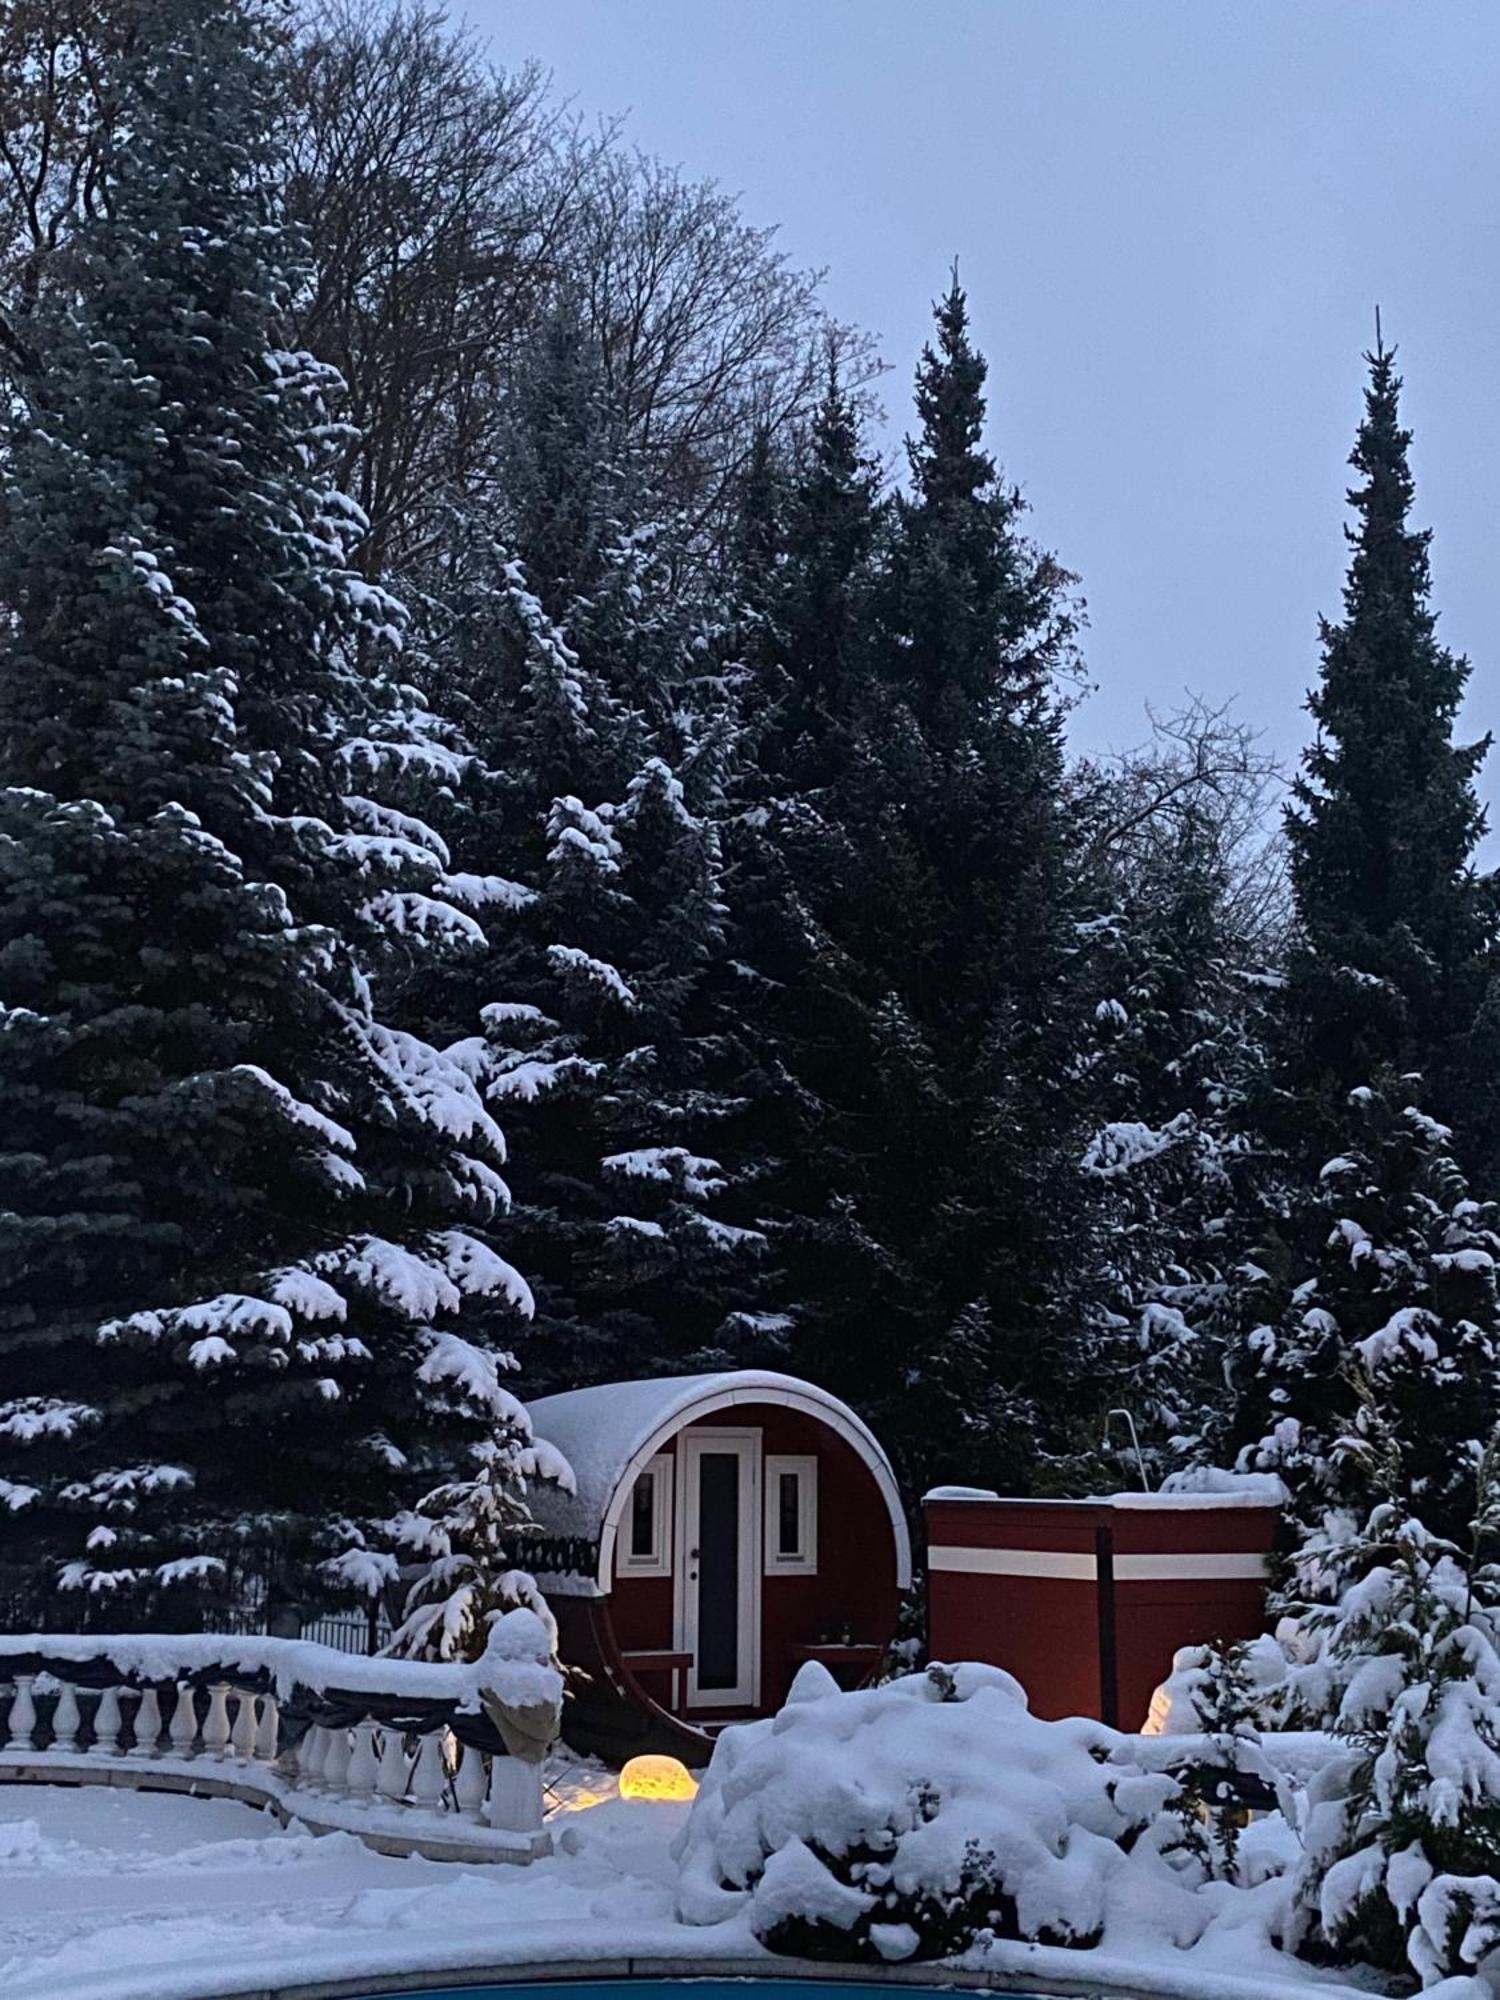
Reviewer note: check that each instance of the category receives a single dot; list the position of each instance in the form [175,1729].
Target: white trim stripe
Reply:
[1014,1562]
[1080,1567]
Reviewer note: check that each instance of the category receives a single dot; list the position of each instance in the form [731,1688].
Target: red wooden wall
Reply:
[1131,1579]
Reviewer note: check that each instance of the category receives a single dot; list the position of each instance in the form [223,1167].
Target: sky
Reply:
[1174,221]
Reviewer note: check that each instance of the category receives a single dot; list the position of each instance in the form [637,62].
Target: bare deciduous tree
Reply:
[57,64]
[1201,762]
[428,183]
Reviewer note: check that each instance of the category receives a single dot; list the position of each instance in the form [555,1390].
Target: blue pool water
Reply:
[684,1988]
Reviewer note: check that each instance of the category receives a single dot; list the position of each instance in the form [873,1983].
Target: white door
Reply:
[718,1565]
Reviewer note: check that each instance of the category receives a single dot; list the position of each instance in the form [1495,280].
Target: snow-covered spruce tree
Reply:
[1396,958]
[610,994]
[1401,1867]
[930,1214]
[1178,1052]
[239,1221]
[1377,1300]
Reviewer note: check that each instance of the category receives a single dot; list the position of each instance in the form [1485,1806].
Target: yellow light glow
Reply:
[657,1778]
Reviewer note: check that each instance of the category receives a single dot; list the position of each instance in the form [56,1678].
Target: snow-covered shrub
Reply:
[1228,1688]
[467,1529]
[1188,1697]
[1402,1864]
[909,1820]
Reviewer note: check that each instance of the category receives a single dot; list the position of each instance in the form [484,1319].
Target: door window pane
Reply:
[718,1570]
[643,1517]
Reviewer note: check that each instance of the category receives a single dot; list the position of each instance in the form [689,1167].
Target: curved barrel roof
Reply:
[608,1432]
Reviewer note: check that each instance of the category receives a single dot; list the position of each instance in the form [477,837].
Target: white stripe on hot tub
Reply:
[1079,1566]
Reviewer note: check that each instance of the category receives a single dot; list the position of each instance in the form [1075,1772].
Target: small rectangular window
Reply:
[792,1515]
[645,1543]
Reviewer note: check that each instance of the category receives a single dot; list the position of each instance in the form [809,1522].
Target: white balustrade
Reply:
[311,1752]
[336,1763]
[392,1772]
[471,1782]
[107,1721]
[216,1722]
[362,1762]
[246,1728]
[147,1723]
[66,1719]
[268,1734]
[515,1799]
[22,1713]
[426,1790]
[184,1725]
[429,1780]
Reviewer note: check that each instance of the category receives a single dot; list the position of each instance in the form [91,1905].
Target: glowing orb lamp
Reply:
[657,1778]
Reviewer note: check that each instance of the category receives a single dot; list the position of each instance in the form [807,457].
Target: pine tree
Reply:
[1401,1867]
[927,1208]
[243,1215]
[1377,1301]
[1177,1057]
[1397,927]
[610,996]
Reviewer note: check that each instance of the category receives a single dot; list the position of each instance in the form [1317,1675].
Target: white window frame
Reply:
[659,1561]
[804,1466]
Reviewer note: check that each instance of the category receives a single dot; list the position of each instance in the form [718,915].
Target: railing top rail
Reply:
[516,1666]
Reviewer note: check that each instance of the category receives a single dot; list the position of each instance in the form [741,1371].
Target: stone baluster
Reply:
[268,1735]
[311,1752]
[471,1782]
[184,1725]
[22,1714]
[428,1779]
[336,1763]
[390,1772]
[147,1723]
[216,1722]
[242,1738]
[107,1719]
[363,1765]
[66,1719]
[515,1800]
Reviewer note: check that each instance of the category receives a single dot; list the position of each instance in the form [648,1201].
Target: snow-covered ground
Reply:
[112,1895]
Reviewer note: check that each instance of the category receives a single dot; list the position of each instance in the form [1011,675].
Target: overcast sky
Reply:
[1174,219]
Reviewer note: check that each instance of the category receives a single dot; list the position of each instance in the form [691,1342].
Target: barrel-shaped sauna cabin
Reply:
[725,1528]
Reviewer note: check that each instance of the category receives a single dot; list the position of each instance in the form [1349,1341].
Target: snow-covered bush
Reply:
[1188,1701]
[467,1529]
[1228,1688]
[1402,1864]
[911,1819]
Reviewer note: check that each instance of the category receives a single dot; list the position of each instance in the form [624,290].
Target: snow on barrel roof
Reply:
[607,1433]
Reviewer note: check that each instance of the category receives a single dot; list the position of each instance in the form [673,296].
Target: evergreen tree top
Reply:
[947,461]
[1386,819]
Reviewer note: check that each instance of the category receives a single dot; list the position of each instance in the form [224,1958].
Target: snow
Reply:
[481,891]
[1199,1489]
[455,1363]
[516,1663]
[673,1166]
[937,1803]
[109,1894]
[569,960]
[112,1895]
[295,1111]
